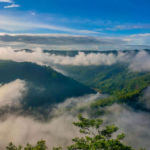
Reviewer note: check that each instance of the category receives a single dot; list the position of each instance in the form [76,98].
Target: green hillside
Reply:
[116,80]
[45,86]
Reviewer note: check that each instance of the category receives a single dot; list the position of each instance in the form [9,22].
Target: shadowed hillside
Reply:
[45,86]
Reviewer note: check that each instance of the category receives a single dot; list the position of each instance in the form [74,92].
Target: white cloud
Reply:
[129,27]
[9,6]
[52,131]
[80,101]
[50,59]
[137,62]
[6,1]
[67,41]
[12,92]
[59,130]
[141,62]
[12,6]
[145,98]
[135,125]
[12,23]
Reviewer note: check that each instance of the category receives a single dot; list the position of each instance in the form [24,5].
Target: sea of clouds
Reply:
[137,62]
[21,128]
[59,130]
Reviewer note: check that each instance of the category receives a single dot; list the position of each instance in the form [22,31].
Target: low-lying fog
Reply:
[137,62]
[59,130]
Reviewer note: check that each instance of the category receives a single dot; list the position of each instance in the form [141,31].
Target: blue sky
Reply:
[110,19]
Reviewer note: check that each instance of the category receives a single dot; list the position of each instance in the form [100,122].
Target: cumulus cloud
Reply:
[138,62]
[49,59]
[12,93]
[141,62]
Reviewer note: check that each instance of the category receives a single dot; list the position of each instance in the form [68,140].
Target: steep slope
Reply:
[115,79]
[45,86]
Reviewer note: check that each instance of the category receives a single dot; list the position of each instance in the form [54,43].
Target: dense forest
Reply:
[116,80]
[45,85]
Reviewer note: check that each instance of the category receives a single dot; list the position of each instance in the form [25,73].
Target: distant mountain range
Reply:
[73,53]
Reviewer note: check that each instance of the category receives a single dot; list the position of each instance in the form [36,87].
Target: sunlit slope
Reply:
[117,80]
[45,86]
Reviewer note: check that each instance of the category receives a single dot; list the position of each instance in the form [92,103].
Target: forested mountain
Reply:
[115,79]
[121,84]
[45,86]
[73,53]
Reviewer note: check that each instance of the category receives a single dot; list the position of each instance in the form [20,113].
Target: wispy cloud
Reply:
[129,27]
[6,1]
[11,23]
[33,13]
[12,6]
[9,6]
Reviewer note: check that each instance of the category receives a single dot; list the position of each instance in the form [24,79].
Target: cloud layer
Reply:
[52,39]
[59,130]
[134,124]
[50,59]
[137,62]
[80,41]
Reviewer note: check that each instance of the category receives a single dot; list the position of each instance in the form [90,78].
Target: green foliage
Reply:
[59,148]
[39,146]
[97,139]
[29,147]
[116,80]
[103,102]
[11,146]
